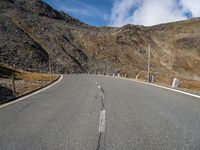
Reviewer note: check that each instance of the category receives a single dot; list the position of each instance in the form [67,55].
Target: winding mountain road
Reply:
[91,112]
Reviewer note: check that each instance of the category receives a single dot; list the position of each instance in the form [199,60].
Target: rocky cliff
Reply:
[34,34]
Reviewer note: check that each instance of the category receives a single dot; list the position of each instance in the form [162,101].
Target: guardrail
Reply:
[17,97]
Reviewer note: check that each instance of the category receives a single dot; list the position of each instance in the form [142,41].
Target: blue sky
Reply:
[122,12]
[93,12]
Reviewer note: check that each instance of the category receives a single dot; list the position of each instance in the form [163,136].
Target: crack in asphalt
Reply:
[26,106]
[102,98]
[101,137]
[99,142]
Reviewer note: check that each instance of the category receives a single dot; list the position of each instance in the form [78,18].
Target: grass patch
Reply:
[7,71]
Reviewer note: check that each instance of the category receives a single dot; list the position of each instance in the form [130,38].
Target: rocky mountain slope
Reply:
[34,34]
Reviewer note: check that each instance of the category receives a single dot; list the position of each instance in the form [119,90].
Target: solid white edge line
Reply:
[159,86]
[167,88]
[36,92]
[102,121]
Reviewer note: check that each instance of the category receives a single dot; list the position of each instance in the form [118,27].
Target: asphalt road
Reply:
[90,112]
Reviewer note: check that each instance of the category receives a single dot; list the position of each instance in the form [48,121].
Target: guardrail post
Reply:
[13,85]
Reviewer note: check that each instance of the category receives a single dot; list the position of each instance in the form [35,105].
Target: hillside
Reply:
[33,33]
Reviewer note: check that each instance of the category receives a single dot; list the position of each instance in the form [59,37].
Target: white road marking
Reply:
[175,90]
[159,86]
[102,93]
[102,121]
[36,92]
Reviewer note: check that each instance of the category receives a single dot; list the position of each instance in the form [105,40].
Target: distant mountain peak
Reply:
[41,8]
[32,33]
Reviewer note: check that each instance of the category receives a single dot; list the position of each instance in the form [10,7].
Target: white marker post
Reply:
[175,83]
[149,61]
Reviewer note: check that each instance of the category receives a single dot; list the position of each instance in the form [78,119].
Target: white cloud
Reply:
[121,10]
[192,5]
[151,12]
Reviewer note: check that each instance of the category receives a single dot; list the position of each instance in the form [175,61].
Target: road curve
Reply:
[91,112]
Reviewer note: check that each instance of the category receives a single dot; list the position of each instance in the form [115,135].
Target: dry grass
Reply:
[24,81]
[7,71]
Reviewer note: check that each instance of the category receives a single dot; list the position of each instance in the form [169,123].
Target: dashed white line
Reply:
[102,121]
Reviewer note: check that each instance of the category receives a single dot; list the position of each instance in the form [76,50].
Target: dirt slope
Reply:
[32,33]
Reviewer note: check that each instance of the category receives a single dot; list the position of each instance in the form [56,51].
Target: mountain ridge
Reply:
[32,33]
